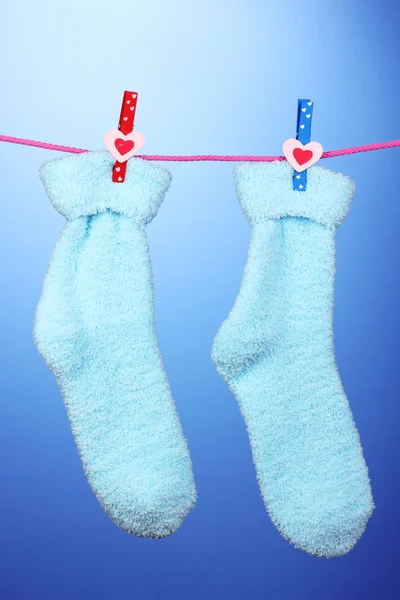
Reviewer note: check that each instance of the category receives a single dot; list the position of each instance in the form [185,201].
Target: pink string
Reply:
[24,142]
[203,157]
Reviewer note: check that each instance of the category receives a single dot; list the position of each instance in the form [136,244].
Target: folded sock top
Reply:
[81,185]
[265,191]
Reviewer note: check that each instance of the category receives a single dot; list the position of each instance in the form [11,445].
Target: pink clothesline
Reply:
[202,157]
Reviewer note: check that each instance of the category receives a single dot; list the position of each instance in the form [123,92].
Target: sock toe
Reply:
[326,530]
[154,513]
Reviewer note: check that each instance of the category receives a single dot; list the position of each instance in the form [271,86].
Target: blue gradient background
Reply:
[213,77]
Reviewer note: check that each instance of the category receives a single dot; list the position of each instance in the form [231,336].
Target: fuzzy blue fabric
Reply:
[94,326]
[275,350]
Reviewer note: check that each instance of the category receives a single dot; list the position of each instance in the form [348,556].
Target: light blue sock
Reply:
[95,328]
[275,350]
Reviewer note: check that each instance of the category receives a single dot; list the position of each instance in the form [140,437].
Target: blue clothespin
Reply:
[303,134]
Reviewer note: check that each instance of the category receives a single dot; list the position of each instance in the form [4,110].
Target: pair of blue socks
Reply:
[94,326]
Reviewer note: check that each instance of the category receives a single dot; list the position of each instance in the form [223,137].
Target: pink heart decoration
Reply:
[302,157]
[121,146]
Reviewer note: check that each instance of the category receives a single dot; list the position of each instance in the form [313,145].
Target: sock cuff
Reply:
[81,185]
[265,191]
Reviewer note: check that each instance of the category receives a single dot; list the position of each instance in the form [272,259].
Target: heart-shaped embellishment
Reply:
[124,146]
[302,157]
[121,146]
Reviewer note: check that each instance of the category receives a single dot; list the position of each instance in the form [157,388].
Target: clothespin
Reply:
[301,153]
[122,142]
[303,135]
[125,125]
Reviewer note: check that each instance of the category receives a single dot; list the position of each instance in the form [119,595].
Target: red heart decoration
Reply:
[123,146]
[301,156]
